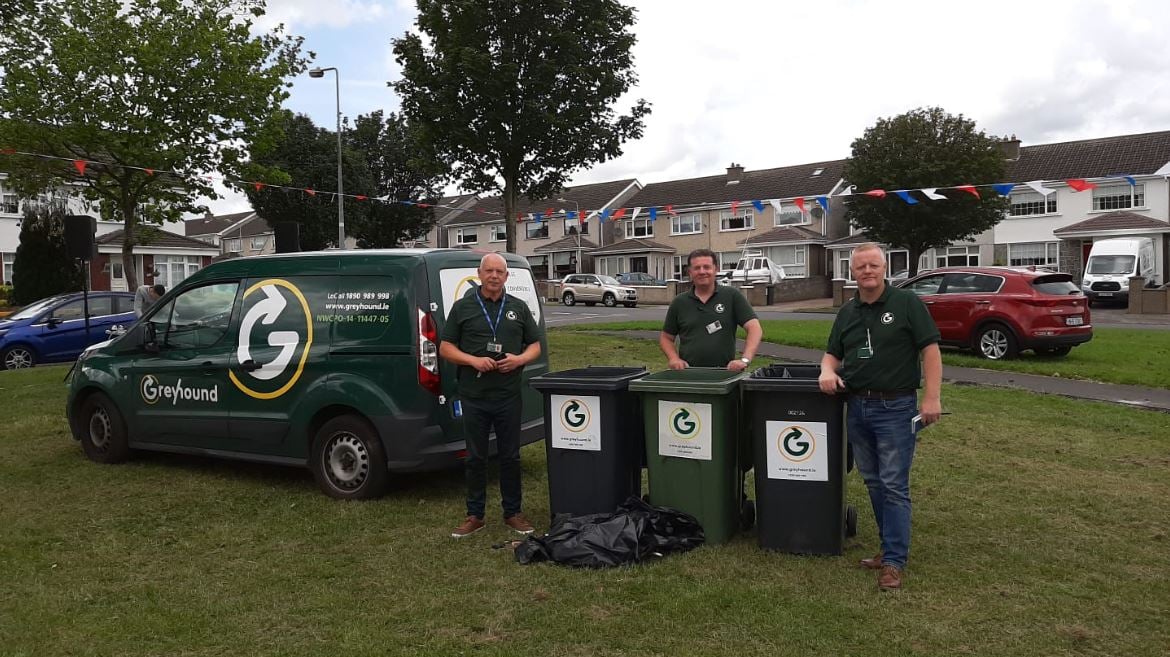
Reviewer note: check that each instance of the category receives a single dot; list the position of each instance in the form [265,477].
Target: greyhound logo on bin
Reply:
[574,415]
[684,429]
[796,443]
[684,423]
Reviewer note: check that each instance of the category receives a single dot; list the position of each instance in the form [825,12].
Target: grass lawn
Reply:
[1114,355]
[1040,529]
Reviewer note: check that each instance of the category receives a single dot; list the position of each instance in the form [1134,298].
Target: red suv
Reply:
[1000,311]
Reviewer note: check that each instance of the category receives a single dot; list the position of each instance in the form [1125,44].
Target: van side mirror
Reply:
[149,338]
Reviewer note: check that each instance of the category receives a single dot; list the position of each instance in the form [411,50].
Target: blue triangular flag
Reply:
[824,202]
[1131,180]
[653,214]
[605,215]
[905,196]
[758,205]
[1003,189]
[569,214]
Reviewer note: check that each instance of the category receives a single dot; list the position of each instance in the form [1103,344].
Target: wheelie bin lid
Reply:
[784,376]
[701,380]
[597,379]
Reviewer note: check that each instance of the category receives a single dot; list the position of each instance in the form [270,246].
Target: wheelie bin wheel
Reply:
[850,521]
[747,515]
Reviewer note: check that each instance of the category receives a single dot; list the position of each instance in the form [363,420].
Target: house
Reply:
[159,257]
[238,234]
[447,210]
[779,212]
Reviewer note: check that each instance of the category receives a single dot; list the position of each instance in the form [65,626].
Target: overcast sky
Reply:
[770,83]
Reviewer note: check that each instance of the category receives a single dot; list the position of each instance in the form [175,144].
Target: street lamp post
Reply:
[577,209]
[320,73]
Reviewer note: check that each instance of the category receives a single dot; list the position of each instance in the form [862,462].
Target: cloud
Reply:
[303,14]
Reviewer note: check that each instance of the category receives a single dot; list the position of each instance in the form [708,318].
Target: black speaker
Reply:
[79,232]
[288,236]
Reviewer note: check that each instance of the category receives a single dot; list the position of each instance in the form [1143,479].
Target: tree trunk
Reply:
[128,225]
[915,254]
[510,212]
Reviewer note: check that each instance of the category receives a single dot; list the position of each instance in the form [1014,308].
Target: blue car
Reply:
[52,330]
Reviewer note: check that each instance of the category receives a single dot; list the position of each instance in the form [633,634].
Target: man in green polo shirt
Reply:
[491,336]
[873,353]
[704,321]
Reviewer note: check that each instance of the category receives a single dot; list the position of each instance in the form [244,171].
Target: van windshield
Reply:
[1111,264]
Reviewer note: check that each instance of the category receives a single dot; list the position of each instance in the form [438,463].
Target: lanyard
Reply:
[488,317]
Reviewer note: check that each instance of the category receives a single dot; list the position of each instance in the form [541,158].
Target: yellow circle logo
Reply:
[796,443]
[268,305]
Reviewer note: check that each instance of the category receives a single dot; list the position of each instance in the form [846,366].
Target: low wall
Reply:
[789,289]
[1147,300]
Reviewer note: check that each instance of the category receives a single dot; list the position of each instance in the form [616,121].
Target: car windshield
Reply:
[608,280]
[1111,264]
[37,308]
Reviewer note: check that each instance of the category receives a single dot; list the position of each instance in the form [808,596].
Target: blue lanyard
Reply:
[488,317]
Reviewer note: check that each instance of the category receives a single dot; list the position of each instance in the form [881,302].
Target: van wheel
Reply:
[568,299]
[102,430]
[996,342]
[347,459]
[609,300]
[18,357]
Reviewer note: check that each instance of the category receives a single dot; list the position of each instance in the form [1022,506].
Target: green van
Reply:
[327,359]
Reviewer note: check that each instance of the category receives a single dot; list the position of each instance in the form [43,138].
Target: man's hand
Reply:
[484,363]
[510,362]
[830,382]
[736,365]
[931,410]
[678,364]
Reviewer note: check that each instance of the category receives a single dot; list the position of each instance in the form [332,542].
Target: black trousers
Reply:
[480,417]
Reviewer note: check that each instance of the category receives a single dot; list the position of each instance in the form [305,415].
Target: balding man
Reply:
[491,336]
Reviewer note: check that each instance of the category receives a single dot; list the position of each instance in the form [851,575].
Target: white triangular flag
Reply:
[848,191]
[635,215]
[1038,187]
[776,204]
[932,194]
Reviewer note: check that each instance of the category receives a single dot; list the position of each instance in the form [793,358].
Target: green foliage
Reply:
[167,84]
[5,294]
[380,159]
[42,267]
[519,94]
[925,148]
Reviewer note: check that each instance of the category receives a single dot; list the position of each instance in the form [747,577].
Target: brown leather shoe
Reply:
[519,524]
[469,527]
[872,563]
[890,579]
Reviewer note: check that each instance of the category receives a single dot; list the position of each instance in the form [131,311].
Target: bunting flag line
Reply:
[799,202]
[777,205]
[1038,187]
[876,193]
[970,189]
[1003,189]
[1080,184]
[758,205]
[636,212]
[653,213]
[905,196]
[931,193]
[823,201]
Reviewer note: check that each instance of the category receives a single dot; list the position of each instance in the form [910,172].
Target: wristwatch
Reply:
[745,360]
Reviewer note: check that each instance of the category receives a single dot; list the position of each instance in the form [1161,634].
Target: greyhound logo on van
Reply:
[267,357]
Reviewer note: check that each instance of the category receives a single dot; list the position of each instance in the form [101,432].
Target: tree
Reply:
[42,267]
[166,85]
[518,94]
[380,159]
[925,148]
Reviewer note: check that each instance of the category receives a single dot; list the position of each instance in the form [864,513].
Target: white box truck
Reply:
[1111,264]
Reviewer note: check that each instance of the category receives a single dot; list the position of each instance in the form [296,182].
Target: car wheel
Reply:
[996,342]
[1053,352]
[568,299]
[609,300]
[348,461]
[102,430]
[18,357]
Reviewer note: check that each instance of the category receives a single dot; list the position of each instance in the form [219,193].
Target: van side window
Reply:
[199,317]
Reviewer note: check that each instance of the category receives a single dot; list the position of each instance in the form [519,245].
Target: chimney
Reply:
[734,172]
[1010,148]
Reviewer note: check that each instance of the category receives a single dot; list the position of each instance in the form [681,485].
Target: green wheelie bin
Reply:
[692,424]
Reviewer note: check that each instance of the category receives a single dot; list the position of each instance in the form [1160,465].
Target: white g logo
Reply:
[887,318]
[149,389]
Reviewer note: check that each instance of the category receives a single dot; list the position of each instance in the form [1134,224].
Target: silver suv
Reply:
[591,288]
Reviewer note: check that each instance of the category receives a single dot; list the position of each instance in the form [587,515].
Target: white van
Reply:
[1112,262]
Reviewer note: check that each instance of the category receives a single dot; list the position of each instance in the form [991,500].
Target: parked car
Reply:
[591,288]
[52,330]
[1000,311]
[639,278]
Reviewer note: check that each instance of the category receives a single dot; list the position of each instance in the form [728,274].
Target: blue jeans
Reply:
[883,449]
[479,419]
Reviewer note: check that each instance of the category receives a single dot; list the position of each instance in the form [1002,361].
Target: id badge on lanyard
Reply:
[867,350]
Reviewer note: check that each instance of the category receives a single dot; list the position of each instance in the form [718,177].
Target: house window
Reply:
[6,273]
[1119,197]
[741,220]
[727,259]
[955,256]
[233,245]
[897,264]
[639,228]
[792,258]
[1032,253]
[679,270]
[686,224]
[259,242]
[173,269]
[9,203]
[576,226]
[466,236]
[536,229]
[499,233]
[790,217]
[1024,204]
[843,270]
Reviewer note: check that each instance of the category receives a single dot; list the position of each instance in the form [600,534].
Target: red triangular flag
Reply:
[670,209]
[970,189]
[621,212]
[149,172]
[799,202]
[8,151]
[80,166]
[734,205]
[423,205]
[310,192]
[258,186]
[1080,184]
[876,193]
[360,197]
[548,212]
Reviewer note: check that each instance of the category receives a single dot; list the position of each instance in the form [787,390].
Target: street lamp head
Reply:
[317,73]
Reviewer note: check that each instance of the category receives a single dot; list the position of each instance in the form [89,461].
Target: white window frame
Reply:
[745,215]
[582,226]
[778,218]
[1026,202]
[234,245]
[942,258]
[1111,196]
[498,233]
[9,202]
[799,263]
[679,267]
[469,235]
[1051,254]
[843,270]
[259,242]
[7,266]
[638,228]
[694,219]
[535,230]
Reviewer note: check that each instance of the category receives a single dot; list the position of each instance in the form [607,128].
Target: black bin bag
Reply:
[635,532]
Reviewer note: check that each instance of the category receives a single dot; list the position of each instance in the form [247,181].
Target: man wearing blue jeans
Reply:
[873,354]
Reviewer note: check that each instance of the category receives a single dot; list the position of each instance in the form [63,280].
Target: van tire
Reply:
[609,300]
[568,299]
[347,459]
[102,430]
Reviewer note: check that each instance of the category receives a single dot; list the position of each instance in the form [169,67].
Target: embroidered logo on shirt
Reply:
[511,314]
[718,307]
[887,318]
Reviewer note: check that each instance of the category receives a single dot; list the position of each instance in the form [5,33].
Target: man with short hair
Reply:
[145,297]
[873,357]
[704,321]
[491,336]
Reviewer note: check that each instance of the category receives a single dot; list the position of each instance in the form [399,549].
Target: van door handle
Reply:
[250,365]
